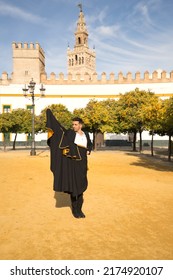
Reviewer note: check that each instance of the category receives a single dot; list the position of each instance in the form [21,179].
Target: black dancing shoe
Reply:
[81,214]
[76,214]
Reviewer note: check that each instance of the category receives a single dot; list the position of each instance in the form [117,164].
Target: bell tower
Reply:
[81,59]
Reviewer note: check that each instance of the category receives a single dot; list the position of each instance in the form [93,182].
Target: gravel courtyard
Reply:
[128,207]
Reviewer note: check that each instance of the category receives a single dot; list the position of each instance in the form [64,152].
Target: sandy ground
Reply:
[128,207]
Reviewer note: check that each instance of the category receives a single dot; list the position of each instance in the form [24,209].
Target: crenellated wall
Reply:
[28,46]
[61,79]
[69,79]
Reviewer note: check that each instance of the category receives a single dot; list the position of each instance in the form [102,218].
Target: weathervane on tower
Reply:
[80,6]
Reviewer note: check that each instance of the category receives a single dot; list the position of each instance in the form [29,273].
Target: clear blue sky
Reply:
[129,35]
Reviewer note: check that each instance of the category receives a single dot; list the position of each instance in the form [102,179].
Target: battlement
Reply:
[70,79]
[28,46]
[78,79]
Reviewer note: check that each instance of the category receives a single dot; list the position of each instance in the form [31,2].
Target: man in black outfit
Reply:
[69,150]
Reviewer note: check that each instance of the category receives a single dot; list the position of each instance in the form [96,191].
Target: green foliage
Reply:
[152,114]
[166,122]
[5,122]
[98,116]
[18,121]
[90,115]
[111,124]
[21,120]
[62,114]
[130,110]
[135,111]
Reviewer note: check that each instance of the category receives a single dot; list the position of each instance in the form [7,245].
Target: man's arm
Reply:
[89,143]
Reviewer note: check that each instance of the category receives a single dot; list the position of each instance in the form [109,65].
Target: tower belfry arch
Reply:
[81,59]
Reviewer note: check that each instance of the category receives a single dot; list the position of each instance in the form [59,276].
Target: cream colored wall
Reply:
[74,96]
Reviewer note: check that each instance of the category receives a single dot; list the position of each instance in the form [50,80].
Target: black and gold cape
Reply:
[68,161]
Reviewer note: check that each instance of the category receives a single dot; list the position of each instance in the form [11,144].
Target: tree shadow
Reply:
[156,163]
[23,148]
[62,200]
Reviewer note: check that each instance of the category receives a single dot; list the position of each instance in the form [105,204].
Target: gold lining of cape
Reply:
[66,149]
[80,158]
[50,133]
[61,140]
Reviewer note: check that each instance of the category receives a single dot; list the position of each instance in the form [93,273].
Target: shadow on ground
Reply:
[155,162]
[62,200]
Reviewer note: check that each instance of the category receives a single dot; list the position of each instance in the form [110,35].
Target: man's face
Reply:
[76,126]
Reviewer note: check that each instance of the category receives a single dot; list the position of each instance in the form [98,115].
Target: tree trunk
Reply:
[140,141]
[5,145]
[94,140]
[152,143]
[169,148]
[134,141]
[14,142]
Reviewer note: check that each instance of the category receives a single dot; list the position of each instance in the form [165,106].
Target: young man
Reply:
[69,150]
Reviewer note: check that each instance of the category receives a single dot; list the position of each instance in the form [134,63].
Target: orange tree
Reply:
[18,121]
[5,125]
[21,122]
[98,116]
[130,109]
[152,116]
[166,124]
[61,113]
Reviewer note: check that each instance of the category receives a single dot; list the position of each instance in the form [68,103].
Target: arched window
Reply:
[79,60]
[72,62]
[69,62]
[82,60]
[79,40]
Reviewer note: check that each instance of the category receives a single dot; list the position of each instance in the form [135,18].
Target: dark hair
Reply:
[76,119]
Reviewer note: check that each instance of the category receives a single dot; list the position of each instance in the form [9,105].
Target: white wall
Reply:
[64,94]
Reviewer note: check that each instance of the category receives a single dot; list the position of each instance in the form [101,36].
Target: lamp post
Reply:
[30,89]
